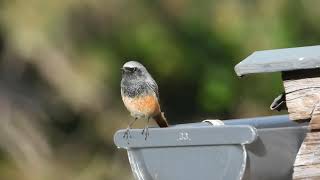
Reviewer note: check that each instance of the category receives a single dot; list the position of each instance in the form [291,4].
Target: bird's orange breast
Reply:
[147,105]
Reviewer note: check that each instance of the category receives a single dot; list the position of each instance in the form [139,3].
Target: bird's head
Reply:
[134,69]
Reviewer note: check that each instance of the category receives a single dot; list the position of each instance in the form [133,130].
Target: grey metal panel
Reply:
[280,60]
[224,162]
[266,122]
[270,156]
[257,122]
[187,136]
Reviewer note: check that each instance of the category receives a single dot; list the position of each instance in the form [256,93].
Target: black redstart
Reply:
[140,95]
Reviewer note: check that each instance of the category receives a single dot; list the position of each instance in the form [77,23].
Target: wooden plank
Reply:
[315,117]
[302,88]
[307,164]
[307,172]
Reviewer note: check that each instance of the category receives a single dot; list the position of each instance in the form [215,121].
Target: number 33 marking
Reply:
[183,136]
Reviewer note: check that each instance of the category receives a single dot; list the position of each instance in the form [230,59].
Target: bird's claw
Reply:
[127,134]
[146,132]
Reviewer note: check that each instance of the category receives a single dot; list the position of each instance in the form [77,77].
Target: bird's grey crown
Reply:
[133,64]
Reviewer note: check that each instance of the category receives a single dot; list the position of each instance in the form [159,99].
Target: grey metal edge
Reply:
[187,136]
[280,60]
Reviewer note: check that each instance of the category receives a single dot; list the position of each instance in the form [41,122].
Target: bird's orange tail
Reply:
[161,120]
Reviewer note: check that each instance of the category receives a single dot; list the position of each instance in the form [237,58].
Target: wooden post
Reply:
[302,89]
[307,164]
[300,69]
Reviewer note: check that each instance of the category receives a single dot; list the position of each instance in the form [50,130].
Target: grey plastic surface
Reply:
[209,156]
[187,136]
[225,162]
[266,122]
[280,60]
[273,154]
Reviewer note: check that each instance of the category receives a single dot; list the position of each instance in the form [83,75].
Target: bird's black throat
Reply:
[134,87]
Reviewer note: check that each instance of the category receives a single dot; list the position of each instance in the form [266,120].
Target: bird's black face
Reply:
[134,72]
[129,70]
[131,73]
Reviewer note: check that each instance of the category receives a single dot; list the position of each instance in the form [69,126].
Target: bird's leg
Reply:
[146,129]
[127,132]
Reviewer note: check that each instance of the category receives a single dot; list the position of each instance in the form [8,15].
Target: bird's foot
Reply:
[127,134]
[145,131]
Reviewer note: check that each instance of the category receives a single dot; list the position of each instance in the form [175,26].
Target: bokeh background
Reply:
[60,72]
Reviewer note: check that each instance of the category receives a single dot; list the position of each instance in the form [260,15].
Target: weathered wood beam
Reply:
[307,164]
[302,88]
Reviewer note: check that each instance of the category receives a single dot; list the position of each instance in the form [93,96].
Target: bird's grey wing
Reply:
[153,85]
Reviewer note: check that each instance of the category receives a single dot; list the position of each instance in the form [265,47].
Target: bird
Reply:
[140,95]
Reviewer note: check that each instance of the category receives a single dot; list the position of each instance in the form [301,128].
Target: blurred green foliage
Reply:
[59,63]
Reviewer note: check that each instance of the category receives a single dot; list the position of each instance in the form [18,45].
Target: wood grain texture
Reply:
[315,117]
[307,163]
[302,88]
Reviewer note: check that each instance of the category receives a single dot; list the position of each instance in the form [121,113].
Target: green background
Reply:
[60,76]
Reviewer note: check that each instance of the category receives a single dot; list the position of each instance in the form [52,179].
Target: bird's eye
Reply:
[132,69]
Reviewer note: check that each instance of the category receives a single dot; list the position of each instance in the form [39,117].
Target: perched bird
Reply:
[140,95]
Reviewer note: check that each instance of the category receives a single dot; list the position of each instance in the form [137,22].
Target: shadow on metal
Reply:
[255,148]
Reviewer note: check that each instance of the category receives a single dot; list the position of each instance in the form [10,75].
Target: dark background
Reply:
[60,65]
